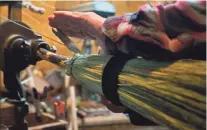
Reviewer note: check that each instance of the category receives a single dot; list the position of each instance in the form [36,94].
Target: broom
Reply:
[168,93]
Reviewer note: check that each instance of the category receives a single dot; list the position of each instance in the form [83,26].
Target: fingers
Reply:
[57,18]
[53,24]
[73,24]
[62,12]
[51,21]
[180,43]
[62,17]
[51,17]
[66,15]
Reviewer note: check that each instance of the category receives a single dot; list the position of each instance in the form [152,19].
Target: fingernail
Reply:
[52,25]
[51,17]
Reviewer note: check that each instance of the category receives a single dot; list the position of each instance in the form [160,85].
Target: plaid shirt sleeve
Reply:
[173,27]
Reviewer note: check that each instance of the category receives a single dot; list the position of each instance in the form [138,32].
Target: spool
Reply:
[10,30]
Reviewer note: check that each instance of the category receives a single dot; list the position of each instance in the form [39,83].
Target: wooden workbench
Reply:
[111,122]
[7,114]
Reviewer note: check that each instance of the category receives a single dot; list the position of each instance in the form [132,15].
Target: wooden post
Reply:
[71,103]
[1,82]
[3,12]
[15,12]
[73,108]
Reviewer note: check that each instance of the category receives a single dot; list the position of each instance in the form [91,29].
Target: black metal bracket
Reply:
[19,54]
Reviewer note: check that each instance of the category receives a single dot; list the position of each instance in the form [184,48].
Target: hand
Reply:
[86,25]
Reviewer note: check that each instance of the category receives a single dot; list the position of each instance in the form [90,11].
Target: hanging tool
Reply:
[32,7]
[24,4]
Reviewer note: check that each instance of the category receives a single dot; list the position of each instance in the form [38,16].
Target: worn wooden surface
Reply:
[7,114]
[112,122]
[15,13]
[3,12]
[123,127]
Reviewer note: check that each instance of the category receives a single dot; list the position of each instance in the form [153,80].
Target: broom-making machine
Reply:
[18,50]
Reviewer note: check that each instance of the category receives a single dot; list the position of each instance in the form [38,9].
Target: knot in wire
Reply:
[69,64]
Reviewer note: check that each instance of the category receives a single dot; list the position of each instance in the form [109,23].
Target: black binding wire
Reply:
[110,76]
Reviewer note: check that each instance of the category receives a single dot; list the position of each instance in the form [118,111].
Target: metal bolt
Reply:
[53,49]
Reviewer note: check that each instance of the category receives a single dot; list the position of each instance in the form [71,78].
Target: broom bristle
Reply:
[168,93]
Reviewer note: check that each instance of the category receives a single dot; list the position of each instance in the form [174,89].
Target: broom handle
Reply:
[60,61]
[54,58]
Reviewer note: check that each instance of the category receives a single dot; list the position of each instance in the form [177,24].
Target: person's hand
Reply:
[86,25]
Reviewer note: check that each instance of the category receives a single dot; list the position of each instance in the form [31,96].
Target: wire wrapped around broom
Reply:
[52,57]
[169,93]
